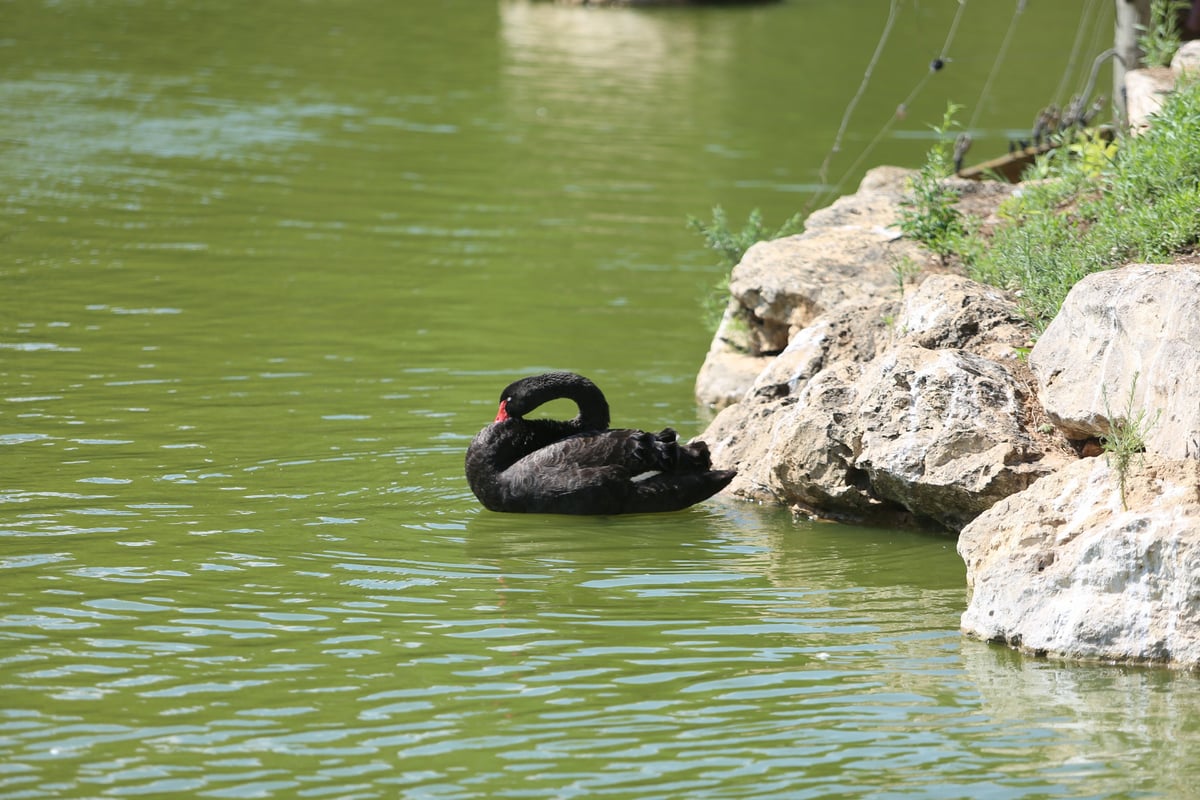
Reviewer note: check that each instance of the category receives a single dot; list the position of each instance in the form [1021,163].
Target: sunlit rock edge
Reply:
[844,398]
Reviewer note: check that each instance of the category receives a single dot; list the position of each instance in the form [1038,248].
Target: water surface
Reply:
[266,268]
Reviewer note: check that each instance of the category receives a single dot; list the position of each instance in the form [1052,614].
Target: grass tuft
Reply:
[1097,208]
[1126,437]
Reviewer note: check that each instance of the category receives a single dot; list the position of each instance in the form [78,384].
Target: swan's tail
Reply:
[674,491]
[662,452]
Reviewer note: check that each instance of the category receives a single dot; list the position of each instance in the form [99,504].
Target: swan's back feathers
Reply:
[578,467]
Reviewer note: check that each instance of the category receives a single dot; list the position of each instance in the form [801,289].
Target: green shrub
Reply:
[1098,209]
[929,215]
[1161,37]
[732,246]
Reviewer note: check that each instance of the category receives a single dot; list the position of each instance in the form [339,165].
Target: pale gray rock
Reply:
[853,332]
[847,252]
[738,438]
[849,422]
[1187,59]
[823,426]
[943,433]
[950,311]
[1145,90]
[848,256]
[789,282]
[812,450]
[1066,569]
[730,366]
[1134,324]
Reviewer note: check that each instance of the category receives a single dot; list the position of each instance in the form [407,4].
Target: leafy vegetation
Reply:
[1161,37]
[929,215]
[1099,205]
[731,246]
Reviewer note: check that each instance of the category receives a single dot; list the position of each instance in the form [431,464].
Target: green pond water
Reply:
[264,268]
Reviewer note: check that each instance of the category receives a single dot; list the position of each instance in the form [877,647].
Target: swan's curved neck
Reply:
[593,408]
[526,395]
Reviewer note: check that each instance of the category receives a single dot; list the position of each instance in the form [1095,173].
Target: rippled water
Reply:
[265,269]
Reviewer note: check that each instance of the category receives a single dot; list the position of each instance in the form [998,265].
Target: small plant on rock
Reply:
[929,215]
[733,245]
[903,270]
[1126,436]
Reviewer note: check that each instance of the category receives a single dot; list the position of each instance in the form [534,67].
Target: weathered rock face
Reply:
[951,311]
[849,255]
[731,364]
[1064,569]
[914,408]
[811,459]
[1135,325]
[942,433]
[846,253]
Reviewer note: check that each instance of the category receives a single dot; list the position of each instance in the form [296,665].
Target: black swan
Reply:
[580,466]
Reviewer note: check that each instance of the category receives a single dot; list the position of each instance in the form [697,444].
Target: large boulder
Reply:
[850,254]
[914,408]
[782,428]
[944,433]
[1073,567]
[847,254]
[1126,343]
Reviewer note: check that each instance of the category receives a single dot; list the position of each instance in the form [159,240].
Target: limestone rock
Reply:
[738,438]
[729,367]
[847,253]
[1187,58]
[812,450]
[1137,322]
[889,407]
[774,431]
[853,332]
[950,311]
[1064,568]
[942,432]
[1144,93]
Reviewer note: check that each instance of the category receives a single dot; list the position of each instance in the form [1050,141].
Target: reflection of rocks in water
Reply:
[616,49]
[1089,719]
[662,2]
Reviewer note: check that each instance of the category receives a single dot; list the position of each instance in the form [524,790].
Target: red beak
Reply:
[502,414]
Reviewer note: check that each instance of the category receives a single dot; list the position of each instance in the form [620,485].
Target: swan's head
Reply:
[521,397]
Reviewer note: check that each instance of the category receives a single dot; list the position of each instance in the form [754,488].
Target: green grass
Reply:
[1097,210]
[1126,437]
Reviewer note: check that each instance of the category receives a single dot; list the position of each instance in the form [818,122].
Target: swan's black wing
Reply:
[610,472]
[673,492]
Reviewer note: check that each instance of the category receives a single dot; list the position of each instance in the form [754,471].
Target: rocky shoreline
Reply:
[850,389]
